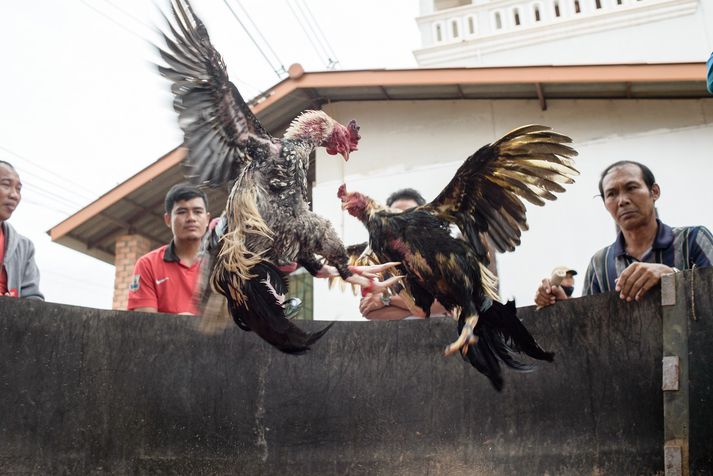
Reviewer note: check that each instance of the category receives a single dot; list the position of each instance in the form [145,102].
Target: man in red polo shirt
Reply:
[166,278]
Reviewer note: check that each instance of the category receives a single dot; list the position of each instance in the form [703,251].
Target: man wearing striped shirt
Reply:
[645,248]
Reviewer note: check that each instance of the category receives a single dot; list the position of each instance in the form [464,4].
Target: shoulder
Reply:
[23,242]
[691,232]
[152,257]
[598,256]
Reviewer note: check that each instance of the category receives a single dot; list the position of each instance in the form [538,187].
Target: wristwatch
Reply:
[386,299]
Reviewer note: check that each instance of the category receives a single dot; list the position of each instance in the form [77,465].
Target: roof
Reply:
[136,205]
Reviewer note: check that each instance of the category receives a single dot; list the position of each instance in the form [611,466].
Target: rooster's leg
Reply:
[466,338]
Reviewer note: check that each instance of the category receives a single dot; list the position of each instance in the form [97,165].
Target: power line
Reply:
[29,201]
[133,17]
[15,154]
[277,72]
[259,32]
[333,54]
[35,177]
[305,25]
[56,198]
[119,24]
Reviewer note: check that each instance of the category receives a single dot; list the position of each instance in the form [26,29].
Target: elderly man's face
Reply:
[10,191]
[627,198]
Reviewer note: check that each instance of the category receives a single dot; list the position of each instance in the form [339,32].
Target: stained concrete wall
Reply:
[84,391]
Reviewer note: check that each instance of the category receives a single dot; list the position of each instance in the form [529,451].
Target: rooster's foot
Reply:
[466,338]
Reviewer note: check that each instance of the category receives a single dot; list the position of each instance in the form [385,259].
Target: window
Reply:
[619,2]
[516,17]
[471,25]
[557,9]
[598,4]
[455,33]
[537,13]
[438,32]
[577,8]
[498,21]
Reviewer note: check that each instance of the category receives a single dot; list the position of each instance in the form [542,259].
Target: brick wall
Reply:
[129,248]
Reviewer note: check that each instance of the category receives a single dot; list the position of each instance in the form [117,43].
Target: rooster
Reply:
[484,200]
[267,228]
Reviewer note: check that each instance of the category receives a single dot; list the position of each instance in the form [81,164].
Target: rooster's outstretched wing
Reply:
[485,195]
[221,133]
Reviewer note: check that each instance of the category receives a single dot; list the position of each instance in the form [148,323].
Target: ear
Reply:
[167,219]
[655,191]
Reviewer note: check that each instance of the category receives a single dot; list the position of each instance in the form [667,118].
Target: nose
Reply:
[14,194]
[624,199]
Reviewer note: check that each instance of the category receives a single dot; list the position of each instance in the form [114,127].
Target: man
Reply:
[645,248]
[379,307]
[19,276]
[166,279]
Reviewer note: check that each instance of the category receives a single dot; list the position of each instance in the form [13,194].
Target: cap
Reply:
[564,270]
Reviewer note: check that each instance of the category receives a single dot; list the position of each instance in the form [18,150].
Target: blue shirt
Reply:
[710,74]
[683,248]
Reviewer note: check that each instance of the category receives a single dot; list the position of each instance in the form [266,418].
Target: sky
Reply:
[83,107]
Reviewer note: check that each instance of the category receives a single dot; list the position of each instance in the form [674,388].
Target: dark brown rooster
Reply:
[483,199]
[268,226]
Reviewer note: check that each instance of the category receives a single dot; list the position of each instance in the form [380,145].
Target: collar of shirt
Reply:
[663,239]
[170,254]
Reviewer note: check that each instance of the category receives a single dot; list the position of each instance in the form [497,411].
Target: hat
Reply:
[563,270]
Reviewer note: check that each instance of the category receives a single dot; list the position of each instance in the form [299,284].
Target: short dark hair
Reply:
[183,191]
[646,174]
[406,194]
[3,162]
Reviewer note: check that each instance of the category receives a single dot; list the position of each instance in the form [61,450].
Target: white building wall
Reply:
[420,144]
[652,31]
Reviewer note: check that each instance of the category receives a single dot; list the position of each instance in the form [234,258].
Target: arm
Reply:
[30,285]
[701,249]
[142,291]
[145,309]
[638,278]
[548,294]
[373,307]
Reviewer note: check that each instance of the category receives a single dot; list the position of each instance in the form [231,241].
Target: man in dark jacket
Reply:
[19,276]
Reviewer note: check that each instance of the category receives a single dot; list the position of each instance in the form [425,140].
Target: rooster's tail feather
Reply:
[501,335]
[262,311]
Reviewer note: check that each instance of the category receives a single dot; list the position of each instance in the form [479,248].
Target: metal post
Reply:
[675,375]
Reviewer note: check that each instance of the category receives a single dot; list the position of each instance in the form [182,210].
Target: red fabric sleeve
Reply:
[142,290]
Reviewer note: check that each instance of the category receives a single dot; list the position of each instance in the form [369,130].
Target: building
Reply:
[557,32]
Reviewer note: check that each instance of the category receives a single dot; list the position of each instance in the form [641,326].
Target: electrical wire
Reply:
[277,72]
[283,70]
[332,54]
[117,23]
[51,172]
[310,33]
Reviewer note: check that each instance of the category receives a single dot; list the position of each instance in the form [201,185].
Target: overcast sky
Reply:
[83,109]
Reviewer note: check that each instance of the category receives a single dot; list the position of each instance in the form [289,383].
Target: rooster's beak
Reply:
[345,154]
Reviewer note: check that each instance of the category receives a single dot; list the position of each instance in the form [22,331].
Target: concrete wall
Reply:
[85,391]
[420,144]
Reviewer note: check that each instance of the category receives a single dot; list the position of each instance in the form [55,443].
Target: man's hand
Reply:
[547,294]
[370,302]
[636,280]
